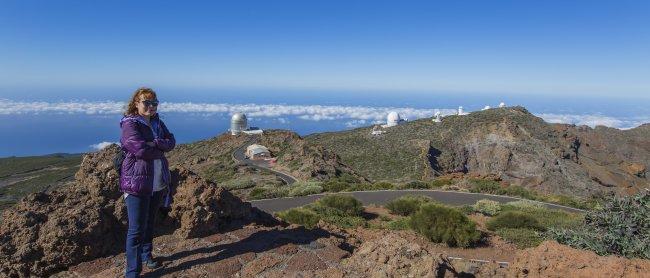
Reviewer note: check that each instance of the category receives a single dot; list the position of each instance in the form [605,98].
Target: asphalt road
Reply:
[453,198]
[239,155]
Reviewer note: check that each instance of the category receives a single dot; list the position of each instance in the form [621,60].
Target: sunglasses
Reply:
[148,103]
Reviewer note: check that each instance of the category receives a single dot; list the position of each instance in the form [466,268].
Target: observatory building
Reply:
[460,111]
[437,117]
[376,130]
[393,119]
[239,124]
[501,105]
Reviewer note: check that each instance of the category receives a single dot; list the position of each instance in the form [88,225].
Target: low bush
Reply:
[547,218]
[335,186]
[383,186]
[523,205]
[407,204]
[345,221]
[346,204]
[466,209]
[238,184]
[523,238]
[484,186]
[514,220]
[300,216]
[621,227]
[487,207]
[268,192]
[438,183]
[305,188]
[414,185]
[399,224]
[443,224]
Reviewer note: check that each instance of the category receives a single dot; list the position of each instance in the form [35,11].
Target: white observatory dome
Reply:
[238,123]
[502,104]
[393,119]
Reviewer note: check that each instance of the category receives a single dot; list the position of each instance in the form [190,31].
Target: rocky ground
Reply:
[78,231]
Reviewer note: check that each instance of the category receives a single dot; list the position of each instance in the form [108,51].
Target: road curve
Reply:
[381,197]
[238,155]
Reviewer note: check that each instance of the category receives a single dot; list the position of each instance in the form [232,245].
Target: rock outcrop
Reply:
[200,207]
[47,232]
[551,259]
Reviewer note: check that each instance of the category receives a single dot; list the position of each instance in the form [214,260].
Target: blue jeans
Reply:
[142,211]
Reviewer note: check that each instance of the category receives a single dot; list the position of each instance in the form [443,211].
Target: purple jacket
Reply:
[137,169]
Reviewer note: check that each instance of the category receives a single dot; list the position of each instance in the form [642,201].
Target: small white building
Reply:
[486,107]
[256,151]
[376,130]
[437,117]
[502,104]
[460,111]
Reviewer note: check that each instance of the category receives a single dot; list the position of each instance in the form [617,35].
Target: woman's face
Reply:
[147,107]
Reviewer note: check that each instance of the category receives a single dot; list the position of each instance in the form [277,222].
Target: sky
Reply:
[67,67]
[555,48]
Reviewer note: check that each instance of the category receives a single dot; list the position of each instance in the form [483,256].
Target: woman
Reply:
[144,176]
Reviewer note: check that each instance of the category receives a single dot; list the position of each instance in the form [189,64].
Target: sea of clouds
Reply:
[353,116]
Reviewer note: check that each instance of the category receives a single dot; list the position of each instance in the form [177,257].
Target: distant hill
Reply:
[20,176]
[510,143]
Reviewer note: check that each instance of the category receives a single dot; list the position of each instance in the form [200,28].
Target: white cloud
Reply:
[355,123]
[102,145]
[595,120]
[352,115]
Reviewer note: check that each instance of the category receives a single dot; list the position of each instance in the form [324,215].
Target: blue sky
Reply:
[556,48]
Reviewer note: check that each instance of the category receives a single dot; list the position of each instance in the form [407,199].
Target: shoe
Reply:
[151,264]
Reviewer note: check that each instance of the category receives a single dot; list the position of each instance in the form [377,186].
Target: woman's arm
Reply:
[133,142]
[168,142]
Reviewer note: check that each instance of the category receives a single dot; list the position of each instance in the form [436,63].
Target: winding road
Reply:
[240,156]
[379,197]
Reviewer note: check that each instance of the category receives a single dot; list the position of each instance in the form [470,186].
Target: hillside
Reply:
[510,143]
[212,160]
[20,176]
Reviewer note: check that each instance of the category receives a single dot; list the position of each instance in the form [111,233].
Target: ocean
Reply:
[75,121]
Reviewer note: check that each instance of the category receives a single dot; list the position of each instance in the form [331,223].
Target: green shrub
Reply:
[466,209]
[414,185]
[484,186]
[346,204]
[335,186]
[514,220]
[547,218]
[300,216]
[382,186]
[443,224]
[407,204]
[518,191]
[399,224]
[523,238]
[438,183]
[345,221]
[524,205]
[305,188]
[621,227]
[268,192]
[487,207]
[359,187]
[238,184]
